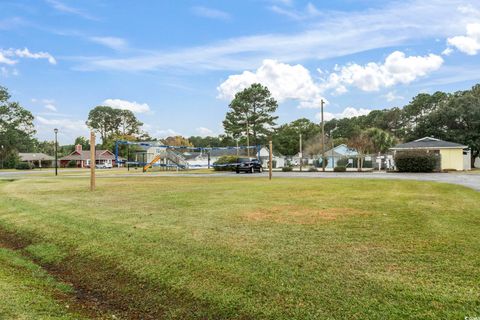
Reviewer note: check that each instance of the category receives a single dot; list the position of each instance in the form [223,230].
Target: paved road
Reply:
[464,179]
[460,178]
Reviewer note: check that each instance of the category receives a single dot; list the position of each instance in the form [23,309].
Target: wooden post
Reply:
[92,161]
[270,154]
[323,138]
[300,153]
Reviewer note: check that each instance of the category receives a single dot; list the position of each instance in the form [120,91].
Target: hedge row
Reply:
[224,162]
[416,161]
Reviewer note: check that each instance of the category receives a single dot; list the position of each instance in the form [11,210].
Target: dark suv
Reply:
[249,165]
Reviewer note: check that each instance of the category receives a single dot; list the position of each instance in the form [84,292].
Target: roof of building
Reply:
[35,157]
[341,150]
[428,143]
[85,155]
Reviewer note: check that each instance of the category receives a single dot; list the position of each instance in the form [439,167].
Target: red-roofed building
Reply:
[82,158]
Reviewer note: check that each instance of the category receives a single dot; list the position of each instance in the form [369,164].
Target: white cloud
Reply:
[111,42]
[6,56]
[348,112]
[469,44]
[204,131]
[62,7]
[336,34]
[127,105]
[392,96]
[164,133]
[68,129]
[285,82]
[309,12]
[397,69]
[210,13]
[50,107]
[25,53]
[5,60]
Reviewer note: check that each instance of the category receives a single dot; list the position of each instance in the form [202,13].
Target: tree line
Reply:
[251,120]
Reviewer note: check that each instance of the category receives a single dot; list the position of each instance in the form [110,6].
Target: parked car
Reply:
[249,165]
[103,166]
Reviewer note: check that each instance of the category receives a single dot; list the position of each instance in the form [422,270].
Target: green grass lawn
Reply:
[28,292]
[218,248]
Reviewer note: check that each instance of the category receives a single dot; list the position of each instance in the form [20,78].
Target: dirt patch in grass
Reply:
[102,290]
[301,215]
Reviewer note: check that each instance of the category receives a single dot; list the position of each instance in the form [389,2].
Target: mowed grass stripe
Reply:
[246,248]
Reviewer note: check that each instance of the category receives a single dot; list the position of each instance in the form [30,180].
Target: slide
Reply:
[147,166]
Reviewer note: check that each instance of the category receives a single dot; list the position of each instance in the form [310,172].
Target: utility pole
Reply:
[323,138]
[270,155]
[300,153]
[92,161]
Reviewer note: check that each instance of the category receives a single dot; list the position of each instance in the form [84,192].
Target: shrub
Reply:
[222,164]
[415,161]
[72,164]
[24,166]
[339,169]
[312,169]
[287,169]
[11,160]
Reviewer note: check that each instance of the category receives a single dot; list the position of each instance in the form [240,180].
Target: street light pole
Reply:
[56,153]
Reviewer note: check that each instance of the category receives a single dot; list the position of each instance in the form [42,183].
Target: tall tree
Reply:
[104,120]
[457,120]
[381,140]
[362,143]
[251,114]
[109,122]
[128,124]
[84,142]
[287,137]
[415,115]
[16,129]
[177,141]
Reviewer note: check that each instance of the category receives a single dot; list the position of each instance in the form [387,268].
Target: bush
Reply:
[415,161]
[312,169]
[339,169]
[24,166]
[287,169]
[72,164]
[222,164]
[11,160]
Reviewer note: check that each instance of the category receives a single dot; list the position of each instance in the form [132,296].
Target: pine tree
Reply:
[251,114]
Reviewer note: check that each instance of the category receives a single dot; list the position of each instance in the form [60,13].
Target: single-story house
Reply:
[82,158]
[341,151]
[278,161]
[36,158]
[452,155]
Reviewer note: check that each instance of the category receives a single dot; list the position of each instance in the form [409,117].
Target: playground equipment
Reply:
[148,165]
[156,154]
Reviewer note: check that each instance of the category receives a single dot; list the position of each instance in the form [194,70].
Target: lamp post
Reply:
[56,156]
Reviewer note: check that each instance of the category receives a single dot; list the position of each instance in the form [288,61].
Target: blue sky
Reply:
[177,64]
